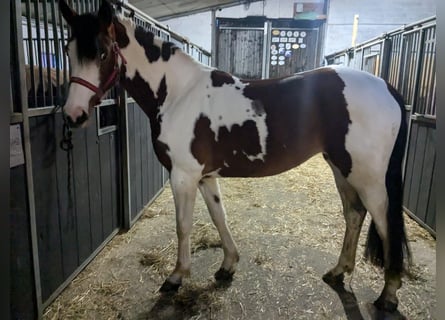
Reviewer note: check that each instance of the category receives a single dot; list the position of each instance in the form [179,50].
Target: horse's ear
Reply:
[67,12]
[105,14]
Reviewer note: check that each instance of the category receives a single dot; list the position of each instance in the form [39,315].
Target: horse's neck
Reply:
[178,73]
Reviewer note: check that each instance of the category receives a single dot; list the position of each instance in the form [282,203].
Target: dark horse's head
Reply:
[94,59]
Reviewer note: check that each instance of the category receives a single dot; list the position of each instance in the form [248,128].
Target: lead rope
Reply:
[66,144]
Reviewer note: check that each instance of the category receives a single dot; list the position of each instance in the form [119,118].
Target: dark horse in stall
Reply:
[41,92]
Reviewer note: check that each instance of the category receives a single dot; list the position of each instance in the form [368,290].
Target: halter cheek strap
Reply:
[112,79]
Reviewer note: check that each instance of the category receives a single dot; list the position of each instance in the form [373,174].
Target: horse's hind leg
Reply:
[209,188]
[378,245]
[354,213]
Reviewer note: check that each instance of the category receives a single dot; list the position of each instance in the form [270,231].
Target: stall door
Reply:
[240,51]
[292,50]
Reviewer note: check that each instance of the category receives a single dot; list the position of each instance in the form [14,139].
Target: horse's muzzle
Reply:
[79,121]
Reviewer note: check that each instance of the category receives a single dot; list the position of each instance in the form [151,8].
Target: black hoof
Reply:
[332,280]
[385,305]
[224,275]
[169,287]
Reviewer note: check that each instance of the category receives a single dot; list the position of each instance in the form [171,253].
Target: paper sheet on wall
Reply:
[16,157]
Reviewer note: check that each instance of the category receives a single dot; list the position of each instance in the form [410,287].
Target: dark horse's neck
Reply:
[156,75]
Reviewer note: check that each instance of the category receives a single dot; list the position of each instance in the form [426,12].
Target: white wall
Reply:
[375,18]
[198,27]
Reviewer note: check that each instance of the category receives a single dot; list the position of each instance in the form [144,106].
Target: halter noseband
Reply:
[100,91]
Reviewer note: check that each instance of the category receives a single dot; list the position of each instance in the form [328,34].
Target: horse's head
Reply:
[94,59]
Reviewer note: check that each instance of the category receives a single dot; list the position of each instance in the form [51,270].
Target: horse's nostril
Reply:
[82,118]
[69,120]
[79,120]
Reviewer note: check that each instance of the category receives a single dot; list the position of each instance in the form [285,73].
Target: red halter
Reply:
[100,91]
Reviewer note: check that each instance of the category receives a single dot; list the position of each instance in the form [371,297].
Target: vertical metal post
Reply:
[31,53]
[47,56]
[386,58]
[125,158]
[56,50]
[316,46]
[418,71]
[402,64]
[214,40]
[266,49]
[354,30]
[39,46]
[414,98]
[19,52]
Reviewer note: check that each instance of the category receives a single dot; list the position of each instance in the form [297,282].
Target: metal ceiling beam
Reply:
[150,8]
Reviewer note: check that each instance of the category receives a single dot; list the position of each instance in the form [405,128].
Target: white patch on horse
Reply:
[79,96]
[368,98]
[227,107]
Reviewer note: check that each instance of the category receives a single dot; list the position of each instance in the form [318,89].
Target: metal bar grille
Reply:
[425,99]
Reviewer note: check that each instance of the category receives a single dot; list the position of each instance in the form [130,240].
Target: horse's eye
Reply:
[103,56]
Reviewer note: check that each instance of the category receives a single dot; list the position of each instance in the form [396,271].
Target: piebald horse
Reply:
[208,124]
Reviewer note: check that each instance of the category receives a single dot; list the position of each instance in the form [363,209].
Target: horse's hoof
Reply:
[169,287]
[224,275]
[385,305]
[332,280]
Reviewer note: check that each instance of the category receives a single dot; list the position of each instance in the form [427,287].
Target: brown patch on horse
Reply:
[121,34]
[305,114]
[140,90]
[243,139]
[146,40]
[168,48]
[219,78]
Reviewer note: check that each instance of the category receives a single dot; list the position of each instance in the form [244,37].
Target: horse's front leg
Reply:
[184,188]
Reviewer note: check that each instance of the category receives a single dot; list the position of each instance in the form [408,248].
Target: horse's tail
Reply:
[398,246]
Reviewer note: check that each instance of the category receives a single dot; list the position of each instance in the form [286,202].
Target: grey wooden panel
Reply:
[240,52]
[67,212]
[22,292]
[145,170]
[417,167]
[223,54]
[43,149]
[131,134]
[144,155]
[81,189]
[426,175]
[150,168]
[105,179]
[431,212]
[114,175]
[159,172]
[137,157]
[94,185]
[409,165]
